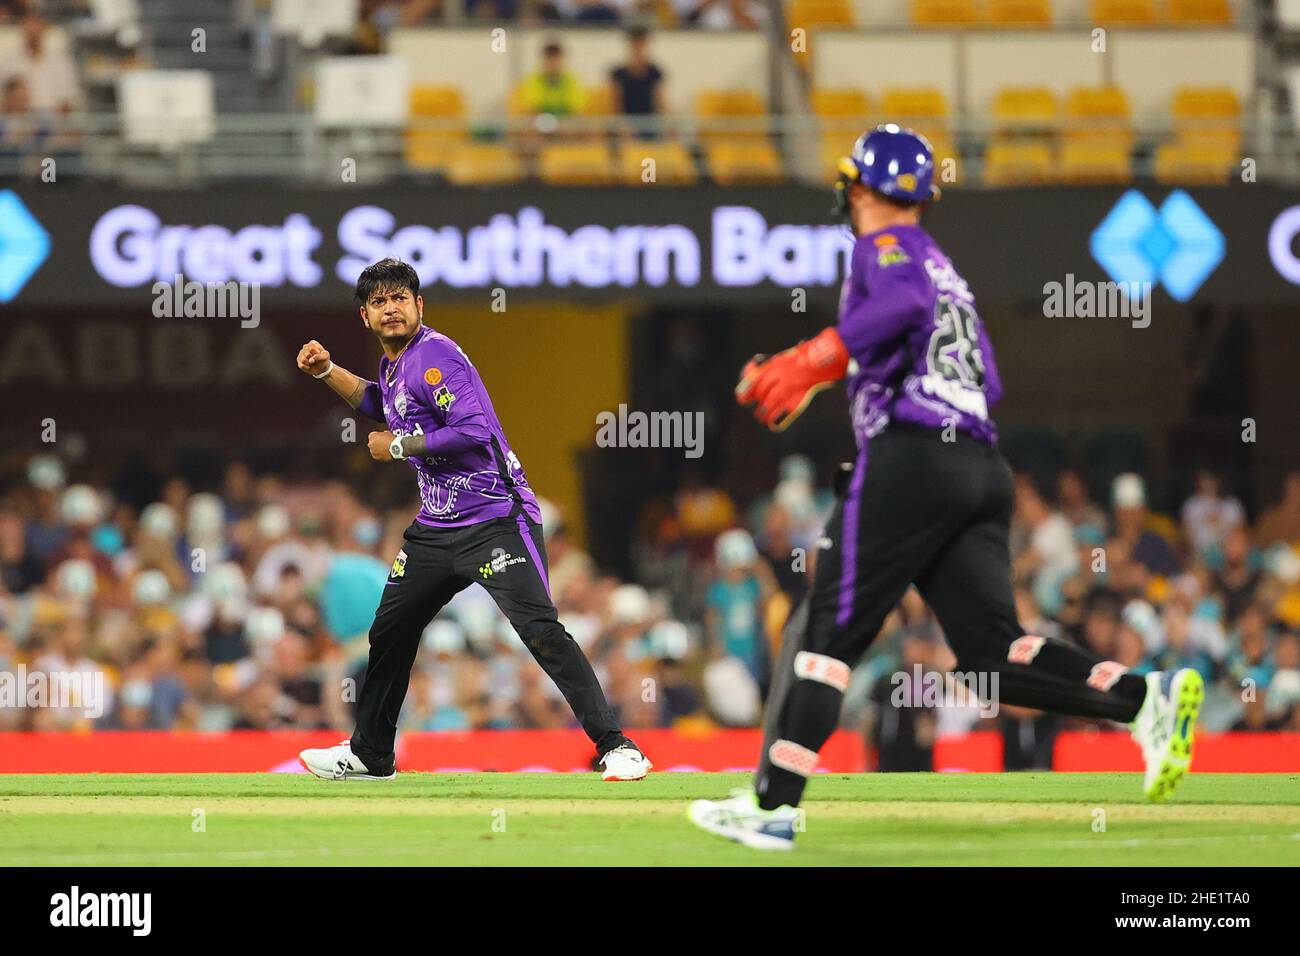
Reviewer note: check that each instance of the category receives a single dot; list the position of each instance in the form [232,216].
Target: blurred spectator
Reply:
[1281,523]
[1049,557]
[735,603]
[49,76]
[552,90]
[1210,514]
[637,85]
[721,14]
[1145,547]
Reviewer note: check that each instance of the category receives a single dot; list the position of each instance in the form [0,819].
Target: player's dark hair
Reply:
[386,275]
[895,201]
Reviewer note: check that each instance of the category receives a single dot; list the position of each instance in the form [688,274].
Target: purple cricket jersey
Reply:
[472,475]
[922,356]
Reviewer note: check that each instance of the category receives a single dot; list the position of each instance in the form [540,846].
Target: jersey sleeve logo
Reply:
[443,398]
[432,376]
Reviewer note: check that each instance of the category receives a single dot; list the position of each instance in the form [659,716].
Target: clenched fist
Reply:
[379,443]
[313,358]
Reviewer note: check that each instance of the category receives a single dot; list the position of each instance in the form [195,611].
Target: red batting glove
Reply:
[782,386]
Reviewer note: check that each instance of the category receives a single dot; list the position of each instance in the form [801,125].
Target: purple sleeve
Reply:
[880,301]
[455,403]
[372,402]
[448,441]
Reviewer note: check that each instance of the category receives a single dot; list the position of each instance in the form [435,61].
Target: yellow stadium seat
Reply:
[1085,162]
[1123,12]
[598,101]
[672,162]
[922,108]
[744,162]
[1026,108]
[586,164]
[1199,11]
[1099,114]
[819,13]
[474,164]
[1195,163]
[842,115]
[1208,115]
[1020,13]
[732,115]
[431,148]
[835,103]
[1019,163]
[944,13]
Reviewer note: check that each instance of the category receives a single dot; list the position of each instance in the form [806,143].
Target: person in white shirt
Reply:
[49,74]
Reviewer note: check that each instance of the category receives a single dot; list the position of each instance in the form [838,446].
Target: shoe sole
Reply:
[1189,694]
[356,776]
[648,767]
[755,841]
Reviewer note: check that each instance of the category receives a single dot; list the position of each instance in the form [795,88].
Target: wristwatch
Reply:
[395,449]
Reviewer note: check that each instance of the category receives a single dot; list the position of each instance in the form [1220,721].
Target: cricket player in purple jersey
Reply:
[478,523]
[927,503]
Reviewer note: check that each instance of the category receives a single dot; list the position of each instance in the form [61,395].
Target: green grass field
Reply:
[566,819]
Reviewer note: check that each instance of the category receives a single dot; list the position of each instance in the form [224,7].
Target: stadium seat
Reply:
[1085,162]
[1212,12]
[479,164]
[1209,112]
[1109,13]
[432,148]
[567,164]
[1026,109]
[673,162]
[732,162]
[1020,13]
[1098,114]
[842,116]
[819,13]
[1195,163]
[730,115]
[944,13]
[598,101]
[1019,163]
[922,108]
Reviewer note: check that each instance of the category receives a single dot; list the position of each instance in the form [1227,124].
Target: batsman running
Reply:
[928,502]
[478,523]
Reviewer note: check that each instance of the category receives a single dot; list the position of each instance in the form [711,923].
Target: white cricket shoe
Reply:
[1165,726]
[339,763]
[741,819]
[624,763]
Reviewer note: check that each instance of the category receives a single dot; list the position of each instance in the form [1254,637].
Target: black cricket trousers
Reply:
[508,557]
[920,510]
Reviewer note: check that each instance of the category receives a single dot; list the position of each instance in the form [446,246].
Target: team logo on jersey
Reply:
[892,256]
[399,402]
[499,563]
[399,564]
[443,398]
[432,376]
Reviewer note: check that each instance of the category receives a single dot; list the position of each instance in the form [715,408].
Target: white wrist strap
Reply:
[328,369]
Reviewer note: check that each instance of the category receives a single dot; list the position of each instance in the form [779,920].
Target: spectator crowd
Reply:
[247,606]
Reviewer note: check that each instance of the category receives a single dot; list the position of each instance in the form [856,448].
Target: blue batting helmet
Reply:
[894,161]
